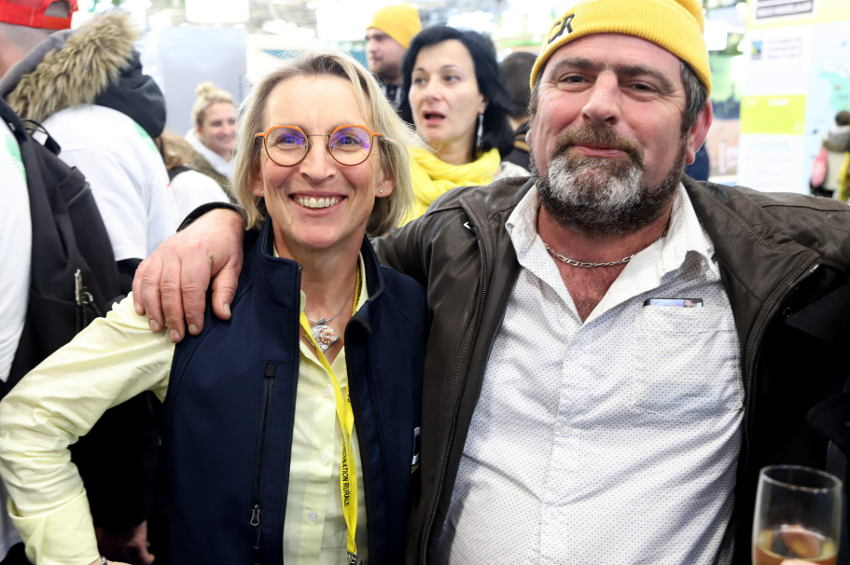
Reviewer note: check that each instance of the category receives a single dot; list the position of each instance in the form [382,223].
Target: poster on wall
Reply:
[722,139]
[797,63]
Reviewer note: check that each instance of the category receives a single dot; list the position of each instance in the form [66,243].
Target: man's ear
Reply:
[696,136]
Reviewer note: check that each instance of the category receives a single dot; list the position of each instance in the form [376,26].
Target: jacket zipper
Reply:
[268,387]
[456,407]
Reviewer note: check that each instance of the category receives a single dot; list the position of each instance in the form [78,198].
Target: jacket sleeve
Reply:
[405,249]
[112,360]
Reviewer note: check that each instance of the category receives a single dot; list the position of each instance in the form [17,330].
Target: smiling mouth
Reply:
[316,203]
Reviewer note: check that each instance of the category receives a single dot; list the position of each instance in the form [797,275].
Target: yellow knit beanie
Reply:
[401,22]
[675,25]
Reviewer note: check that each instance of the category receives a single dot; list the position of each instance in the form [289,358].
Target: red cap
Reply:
[30,13]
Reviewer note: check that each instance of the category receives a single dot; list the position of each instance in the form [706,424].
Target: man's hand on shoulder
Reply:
[170,286]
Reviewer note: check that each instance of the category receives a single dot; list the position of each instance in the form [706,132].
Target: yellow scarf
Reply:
[432,177]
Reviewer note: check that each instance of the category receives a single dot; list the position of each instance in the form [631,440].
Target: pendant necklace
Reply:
[325,335]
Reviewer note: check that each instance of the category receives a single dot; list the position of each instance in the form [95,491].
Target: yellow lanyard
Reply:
[345,416]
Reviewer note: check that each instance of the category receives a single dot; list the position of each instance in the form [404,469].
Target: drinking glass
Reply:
[798,516]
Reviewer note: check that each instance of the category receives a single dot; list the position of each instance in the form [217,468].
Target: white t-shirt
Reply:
[15,249]
[191,189]
[126,174]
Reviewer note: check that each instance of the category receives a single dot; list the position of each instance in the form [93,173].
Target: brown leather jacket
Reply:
[778,254]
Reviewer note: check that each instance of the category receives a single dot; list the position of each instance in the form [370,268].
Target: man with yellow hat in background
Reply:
[615,349]
[387,37]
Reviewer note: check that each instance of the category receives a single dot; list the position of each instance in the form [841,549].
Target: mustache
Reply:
[599,136]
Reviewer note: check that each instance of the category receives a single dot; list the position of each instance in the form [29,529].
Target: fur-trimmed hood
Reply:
[95,64]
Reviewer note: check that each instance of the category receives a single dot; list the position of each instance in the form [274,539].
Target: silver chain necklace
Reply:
[585,264]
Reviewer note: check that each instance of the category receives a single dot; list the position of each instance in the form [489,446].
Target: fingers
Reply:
[128,546]
[195,275]
[138,554]
[171,284]
[224,287]
[146,292]
[136,549]
[171,296]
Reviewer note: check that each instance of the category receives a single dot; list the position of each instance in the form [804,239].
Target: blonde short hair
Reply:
[396,136]
[208,94]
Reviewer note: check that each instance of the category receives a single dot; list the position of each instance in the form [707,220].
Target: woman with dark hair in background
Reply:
[453,95]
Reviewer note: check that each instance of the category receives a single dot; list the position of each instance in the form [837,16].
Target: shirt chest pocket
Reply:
[686,363]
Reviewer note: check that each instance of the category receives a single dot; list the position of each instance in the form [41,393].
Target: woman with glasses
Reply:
[452,93]
[291,429]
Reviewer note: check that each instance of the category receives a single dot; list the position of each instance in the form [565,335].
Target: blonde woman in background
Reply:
[213,134]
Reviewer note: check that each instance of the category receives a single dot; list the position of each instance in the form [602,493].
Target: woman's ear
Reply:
[483,106]
[257,188]
[385,186]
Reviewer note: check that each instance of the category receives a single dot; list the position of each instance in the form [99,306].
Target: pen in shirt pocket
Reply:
[674,302]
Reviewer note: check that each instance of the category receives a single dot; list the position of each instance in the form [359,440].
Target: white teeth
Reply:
[313,202]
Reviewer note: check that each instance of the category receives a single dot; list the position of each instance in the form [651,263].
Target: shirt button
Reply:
[312,517]
[324,459]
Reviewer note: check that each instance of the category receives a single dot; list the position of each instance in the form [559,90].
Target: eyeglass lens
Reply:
[349,145]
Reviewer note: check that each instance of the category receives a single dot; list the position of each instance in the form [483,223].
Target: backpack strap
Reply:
[73,275]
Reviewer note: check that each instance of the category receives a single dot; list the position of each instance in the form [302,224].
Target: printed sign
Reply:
[776,8]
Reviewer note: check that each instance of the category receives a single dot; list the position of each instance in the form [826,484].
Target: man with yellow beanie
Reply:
[615,349]
[387,37]
[609,363]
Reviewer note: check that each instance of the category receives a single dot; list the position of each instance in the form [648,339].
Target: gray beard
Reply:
[601,197]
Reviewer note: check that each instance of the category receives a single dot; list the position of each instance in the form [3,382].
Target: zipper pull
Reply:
[78,287]
[255,522]
[82,296]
